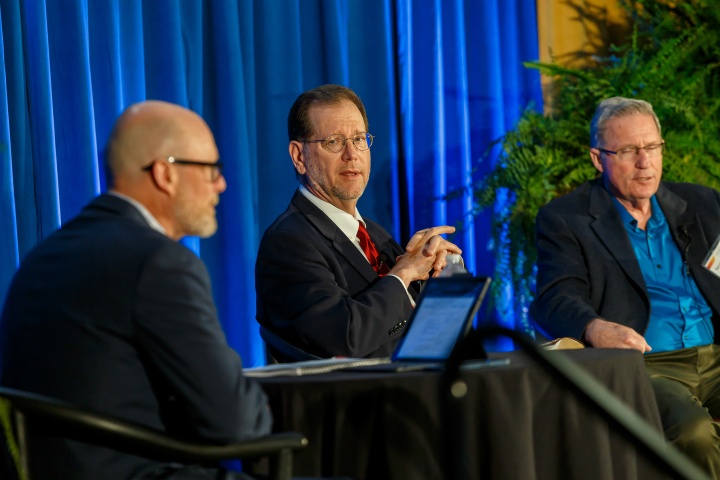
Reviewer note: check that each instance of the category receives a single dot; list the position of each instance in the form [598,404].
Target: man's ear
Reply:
[165,177]
[595,157]
[297,154]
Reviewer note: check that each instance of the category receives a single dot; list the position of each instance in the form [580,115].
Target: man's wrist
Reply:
[589,327]
[412,302]
[403,274]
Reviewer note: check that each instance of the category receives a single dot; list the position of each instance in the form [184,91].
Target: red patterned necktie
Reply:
[367,245]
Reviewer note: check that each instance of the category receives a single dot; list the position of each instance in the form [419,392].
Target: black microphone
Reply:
[382,260]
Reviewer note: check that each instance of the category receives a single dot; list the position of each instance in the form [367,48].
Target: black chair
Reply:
[280,351]
[20,411]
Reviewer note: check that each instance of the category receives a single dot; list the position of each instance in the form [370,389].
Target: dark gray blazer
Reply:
[317,291]
[587,267]
[113,315]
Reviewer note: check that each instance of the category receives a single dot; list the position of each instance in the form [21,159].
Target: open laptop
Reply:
[442,317]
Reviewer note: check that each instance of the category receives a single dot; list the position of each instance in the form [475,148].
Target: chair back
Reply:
[19,409]
[280,351]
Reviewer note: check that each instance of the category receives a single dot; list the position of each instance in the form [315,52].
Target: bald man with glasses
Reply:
[112,313]
[328,281]
[620,265]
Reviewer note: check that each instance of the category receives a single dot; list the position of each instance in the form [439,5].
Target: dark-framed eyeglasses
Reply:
[631,152]
[215,167]
[336,143]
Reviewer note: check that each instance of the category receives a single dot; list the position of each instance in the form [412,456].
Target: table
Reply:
[516,422]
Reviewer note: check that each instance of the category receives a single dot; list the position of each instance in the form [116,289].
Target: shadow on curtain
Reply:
[441,80]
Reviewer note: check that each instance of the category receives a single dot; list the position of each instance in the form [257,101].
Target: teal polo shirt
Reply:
[679,315]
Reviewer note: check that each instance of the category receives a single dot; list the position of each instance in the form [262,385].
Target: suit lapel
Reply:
[692,242]
[606,225]
[383,242]
[683,225]
[340,242]
[389,247]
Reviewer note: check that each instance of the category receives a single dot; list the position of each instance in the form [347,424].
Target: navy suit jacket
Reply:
[587,267]
[110,314]
[318,292]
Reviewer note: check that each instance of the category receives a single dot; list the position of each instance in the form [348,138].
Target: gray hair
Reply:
[616,107]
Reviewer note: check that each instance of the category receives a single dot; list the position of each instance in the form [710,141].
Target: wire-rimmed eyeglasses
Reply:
[336,143]
[628,153]
[215,167]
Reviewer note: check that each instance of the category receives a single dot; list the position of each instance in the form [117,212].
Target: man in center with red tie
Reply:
[329,282]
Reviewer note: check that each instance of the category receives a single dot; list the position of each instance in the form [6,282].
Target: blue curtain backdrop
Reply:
[441,80]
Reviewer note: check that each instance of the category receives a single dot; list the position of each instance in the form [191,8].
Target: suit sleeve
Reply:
[563,303]
[317,300]
[198,377]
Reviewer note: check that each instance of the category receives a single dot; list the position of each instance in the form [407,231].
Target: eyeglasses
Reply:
[215,167]
[336,143]
[629,153]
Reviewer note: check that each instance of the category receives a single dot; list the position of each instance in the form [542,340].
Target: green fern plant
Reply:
[671,60]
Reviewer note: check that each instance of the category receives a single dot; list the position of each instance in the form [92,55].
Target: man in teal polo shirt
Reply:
[620,265]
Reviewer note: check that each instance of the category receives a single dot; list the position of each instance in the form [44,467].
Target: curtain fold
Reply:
[9,255]
[42,177]
[441,81]
[465,86]
[230,253]
[71,104]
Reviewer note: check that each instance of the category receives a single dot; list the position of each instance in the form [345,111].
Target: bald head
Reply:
[151,130]
[181,197]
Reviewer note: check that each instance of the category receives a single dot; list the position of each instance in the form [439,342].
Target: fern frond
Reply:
[672,60]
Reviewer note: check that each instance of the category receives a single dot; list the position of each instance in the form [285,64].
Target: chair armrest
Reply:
[83,425]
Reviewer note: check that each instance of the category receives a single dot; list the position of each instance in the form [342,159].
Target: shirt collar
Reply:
[149,218]
[657,218]
[347,223]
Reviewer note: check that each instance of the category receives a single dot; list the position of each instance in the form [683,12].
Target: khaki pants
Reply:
[687,388]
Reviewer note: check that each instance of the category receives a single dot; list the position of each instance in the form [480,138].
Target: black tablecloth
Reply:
[516,422]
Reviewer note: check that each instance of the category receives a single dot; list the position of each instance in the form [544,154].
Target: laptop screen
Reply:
[443,315]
